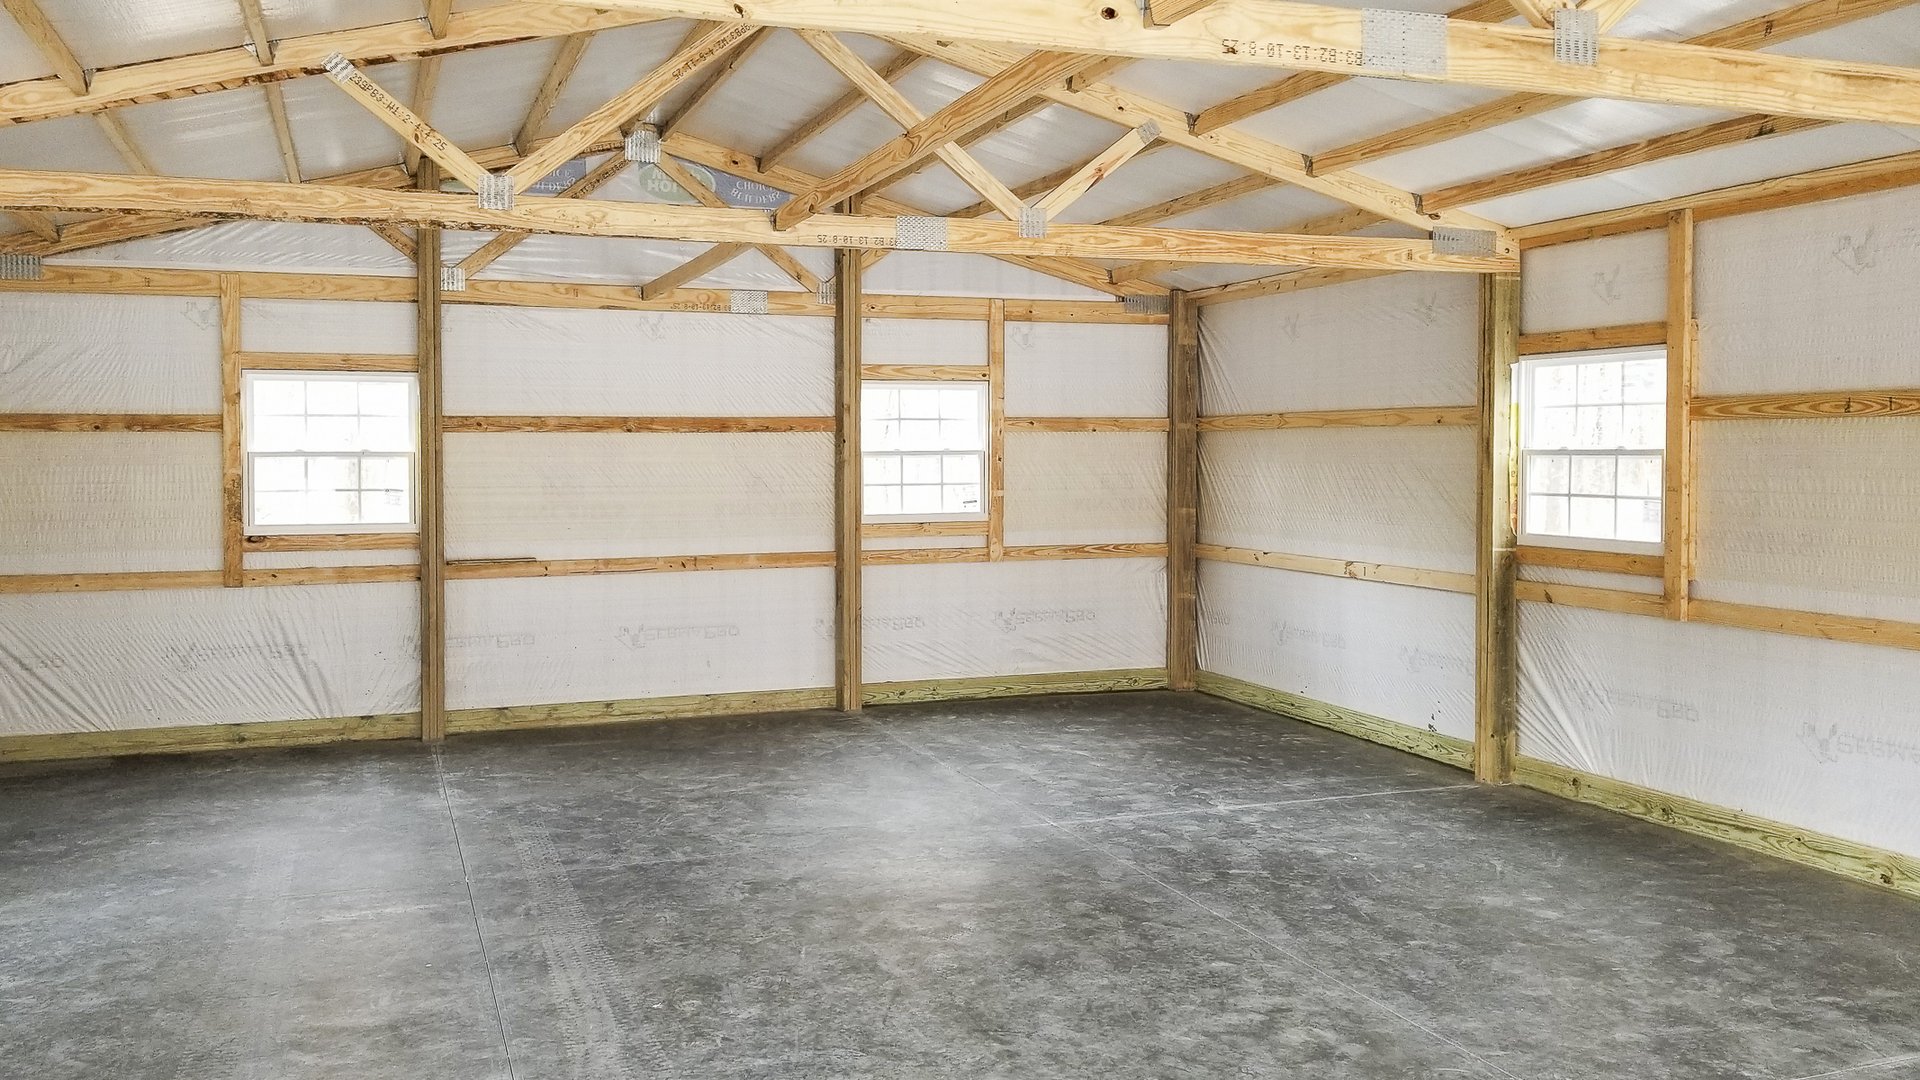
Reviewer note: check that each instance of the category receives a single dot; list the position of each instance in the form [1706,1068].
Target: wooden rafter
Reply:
[256,21]
[1608,12]
[426,83]
[40,225]
[396,238]
[1745,87]
[116,132]
[47,40]
[707,197]
[565,60]
[1296,86]
[282,131]
[1096,169]
[1536,12]
[1255,155]
[841,108]
[692,270]
[415,131]
[109,193]
[717,78]
[439,17]
[703,47]
[225,69]
[895,105]
[1194,201]
[966,114]
[594,180]
[1519,59]
[1168,12]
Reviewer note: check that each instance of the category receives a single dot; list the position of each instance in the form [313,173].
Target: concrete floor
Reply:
[1145,885]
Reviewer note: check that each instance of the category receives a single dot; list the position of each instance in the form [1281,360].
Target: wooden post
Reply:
[1683,352]
[433,564]
[233,457]
[996,429]
[1495,653]
[846,479]
[1183,490]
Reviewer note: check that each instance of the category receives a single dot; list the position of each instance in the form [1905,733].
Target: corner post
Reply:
[846,478]
[1683,361]
[1495,736]
[1183,489]
[433,582]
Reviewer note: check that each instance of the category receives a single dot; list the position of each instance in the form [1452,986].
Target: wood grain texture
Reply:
[1677,506]
[1605,562]
[926,372]
[353,541]
[1858,629]
[412,130]
[46,40]
[110,421]
[1496,679]
[1275,284]
[1183,493]
[1427,744]
[282,361]
[1618,601]
[1442,580]
[1824,405]
[565,59]
[996,429]
[1087,424]
[848,327]
[431,509]
[1059,682]
[887,530]
[233,462]
[494,569]
[1847,858]
[1603,337]
[1411,416]
[636,710]
[75,745]
[467,425]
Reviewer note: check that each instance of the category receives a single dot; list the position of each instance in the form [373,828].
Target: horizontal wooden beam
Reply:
[1412,416]
[1086,424]
[109,421]
[1603,337]
[1807,406]
[635,424]
[100,192]
[367,541]
[1270,33]
[1442,580]
[224,69]
[405,123]
[1603,562]
[927,372]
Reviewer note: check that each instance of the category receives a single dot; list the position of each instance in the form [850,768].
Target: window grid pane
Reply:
[329,452]
[923,449]
[1592,464]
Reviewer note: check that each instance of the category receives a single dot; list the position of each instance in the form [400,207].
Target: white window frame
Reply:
[1523,395]
[254,375]
[986,441]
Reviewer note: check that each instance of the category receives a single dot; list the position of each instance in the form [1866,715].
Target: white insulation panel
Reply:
[563,362]
[1612,281]
[923,341]
[99,502]
[601,495]
[1086,487]
[1818,515]
[1404,339]
[318,326]
[1392,651]
[1814,297]
[533,641]
[1708,713]
[109,354]
[1086,369]
[117,660]
[1403,496]
[974,620]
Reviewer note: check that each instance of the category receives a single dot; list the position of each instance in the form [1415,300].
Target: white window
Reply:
[923,448]
[329,452]
[1593,436]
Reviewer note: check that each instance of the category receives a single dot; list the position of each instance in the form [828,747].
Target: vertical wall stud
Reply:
[433,537]
[996,429]
[233,479]
[1183,490]
[846,478]
[1495,735]
[1683,362]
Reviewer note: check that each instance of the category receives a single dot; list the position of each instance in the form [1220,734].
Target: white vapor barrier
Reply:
[288,247]
[1403,496]
[1612,281]
[1819,515]
[1392,651]
[916,273]
[1086,369]
[1793,729]
[1814,297]
[1086,487]
[563,362]
[535,641]
[319,326]
[923,341]
[165,658]
[1593,579]
[968,620]
[100,502]
[63,353]
[604,495]
[1404,339]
